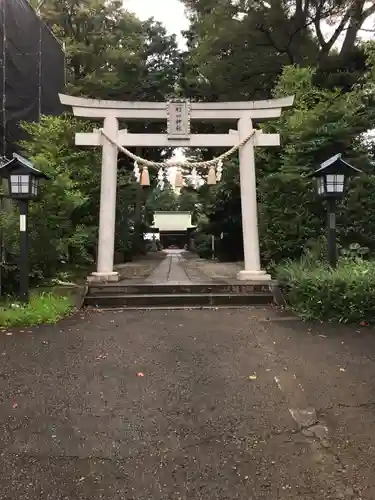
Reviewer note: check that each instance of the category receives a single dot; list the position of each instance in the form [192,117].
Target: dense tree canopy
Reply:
[110,53]
[249,41]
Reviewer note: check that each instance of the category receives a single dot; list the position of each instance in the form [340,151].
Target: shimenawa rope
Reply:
[180,164]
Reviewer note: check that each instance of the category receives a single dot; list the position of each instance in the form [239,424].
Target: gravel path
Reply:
[212,417]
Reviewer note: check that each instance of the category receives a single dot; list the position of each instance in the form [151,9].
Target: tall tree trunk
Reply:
[355,23]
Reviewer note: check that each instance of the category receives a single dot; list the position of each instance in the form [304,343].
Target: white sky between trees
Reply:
[170,12]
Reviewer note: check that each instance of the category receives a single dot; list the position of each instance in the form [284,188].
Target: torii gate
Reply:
[178,114]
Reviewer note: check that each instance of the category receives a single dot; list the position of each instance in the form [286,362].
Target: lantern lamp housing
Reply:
[332,177]
[23,178]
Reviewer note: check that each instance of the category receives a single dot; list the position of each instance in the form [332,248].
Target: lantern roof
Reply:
[335,165]
[19,162]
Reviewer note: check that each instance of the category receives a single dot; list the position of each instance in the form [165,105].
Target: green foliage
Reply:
[203,245]
[68,211]
[237,49]
[321,123]
[224,214]
[355,252]
[61,224]
[163,199]
[290,216]
[44,308]
[345,294]
[354,223]
[110,53]
[188,201]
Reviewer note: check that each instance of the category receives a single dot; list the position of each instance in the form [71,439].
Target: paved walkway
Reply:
[187,405]
[170,270]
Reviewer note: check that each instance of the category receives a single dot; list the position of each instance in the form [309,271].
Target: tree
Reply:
[346,17]
[237,49]
[62,227]
[164,199]
[188,201]
[110,53]
[321,123]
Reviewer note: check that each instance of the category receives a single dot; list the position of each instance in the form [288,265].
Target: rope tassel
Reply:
[145,176]
[211,178]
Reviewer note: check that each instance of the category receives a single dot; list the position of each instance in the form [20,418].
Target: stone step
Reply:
[178,288]
[174,299]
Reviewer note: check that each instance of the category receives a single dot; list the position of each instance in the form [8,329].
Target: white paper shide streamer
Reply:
[137,171]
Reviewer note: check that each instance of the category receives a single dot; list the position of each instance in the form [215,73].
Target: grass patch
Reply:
[42,308]
[315,291]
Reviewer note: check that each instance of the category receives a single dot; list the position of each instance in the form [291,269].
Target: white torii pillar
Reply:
[252,269]
[107,214]
[243,112]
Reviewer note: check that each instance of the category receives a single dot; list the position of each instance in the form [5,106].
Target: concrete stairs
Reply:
[178,295]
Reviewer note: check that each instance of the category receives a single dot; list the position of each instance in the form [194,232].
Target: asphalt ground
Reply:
[189,404]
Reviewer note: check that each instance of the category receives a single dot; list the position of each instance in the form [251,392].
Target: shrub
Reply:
[203,245]
[315,291]
[290,216]
[42,308]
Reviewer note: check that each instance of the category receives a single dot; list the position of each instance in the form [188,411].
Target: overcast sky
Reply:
[169,12]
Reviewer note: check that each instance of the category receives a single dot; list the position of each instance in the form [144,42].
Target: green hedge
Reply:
[292,217]
[346,294]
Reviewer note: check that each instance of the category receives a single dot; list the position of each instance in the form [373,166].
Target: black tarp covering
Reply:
[32,71]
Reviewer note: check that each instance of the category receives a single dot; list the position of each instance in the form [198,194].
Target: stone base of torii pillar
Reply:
[253,276]
[103,277]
